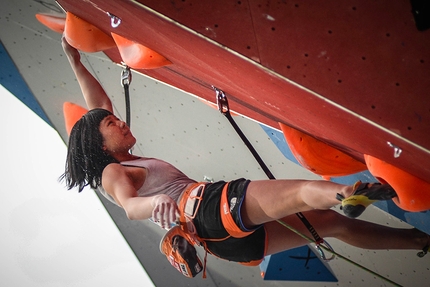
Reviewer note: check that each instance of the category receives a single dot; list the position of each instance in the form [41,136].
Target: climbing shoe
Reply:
[364,195]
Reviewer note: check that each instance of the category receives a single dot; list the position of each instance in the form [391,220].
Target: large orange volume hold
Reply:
[86,37]
[319,157]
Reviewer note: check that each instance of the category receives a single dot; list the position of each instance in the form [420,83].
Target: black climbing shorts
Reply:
[209,225]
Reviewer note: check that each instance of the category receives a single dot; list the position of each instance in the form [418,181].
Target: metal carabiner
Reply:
[321,251]
[222,102]
[126,76]
[114,20]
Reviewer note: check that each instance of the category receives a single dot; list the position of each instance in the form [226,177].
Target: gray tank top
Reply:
[161,178]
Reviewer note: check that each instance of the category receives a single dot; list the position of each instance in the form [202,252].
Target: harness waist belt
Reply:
[191,199]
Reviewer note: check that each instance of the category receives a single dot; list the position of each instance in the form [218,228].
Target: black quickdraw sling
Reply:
[223,107]
[125,82]
[320,243]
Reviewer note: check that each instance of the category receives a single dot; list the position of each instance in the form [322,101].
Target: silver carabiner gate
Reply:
[321,251]
[126,76]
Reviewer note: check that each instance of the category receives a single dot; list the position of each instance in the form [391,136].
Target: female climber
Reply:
[240,215]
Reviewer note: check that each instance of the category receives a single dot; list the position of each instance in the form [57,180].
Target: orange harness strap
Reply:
[227,219]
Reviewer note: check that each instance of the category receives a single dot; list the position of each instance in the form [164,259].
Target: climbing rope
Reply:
[320,243]
[339,255]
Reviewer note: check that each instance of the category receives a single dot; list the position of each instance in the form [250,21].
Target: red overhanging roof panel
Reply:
[363,71]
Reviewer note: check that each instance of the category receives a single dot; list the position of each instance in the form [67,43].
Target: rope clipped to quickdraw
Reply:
[320,243]
[125,82]
[225,110]
[339,255]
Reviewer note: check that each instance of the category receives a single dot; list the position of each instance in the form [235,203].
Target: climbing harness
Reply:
[125,82]
[321,244]
[223,107]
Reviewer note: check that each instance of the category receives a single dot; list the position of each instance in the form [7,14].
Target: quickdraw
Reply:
[224,108]
[321,244]
[125,82]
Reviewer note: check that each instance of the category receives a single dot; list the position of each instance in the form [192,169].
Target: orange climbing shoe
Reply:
[364,195]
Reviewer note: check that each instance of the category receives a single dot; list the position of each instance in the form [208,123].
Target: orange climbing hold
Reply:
[319,157]
[413,193]
[54,22]
[137,56]
[85,36]
[72,113]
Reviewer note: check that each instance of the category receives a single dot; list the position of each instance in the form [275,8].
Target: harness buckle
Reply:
[192,203]
[188,206]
